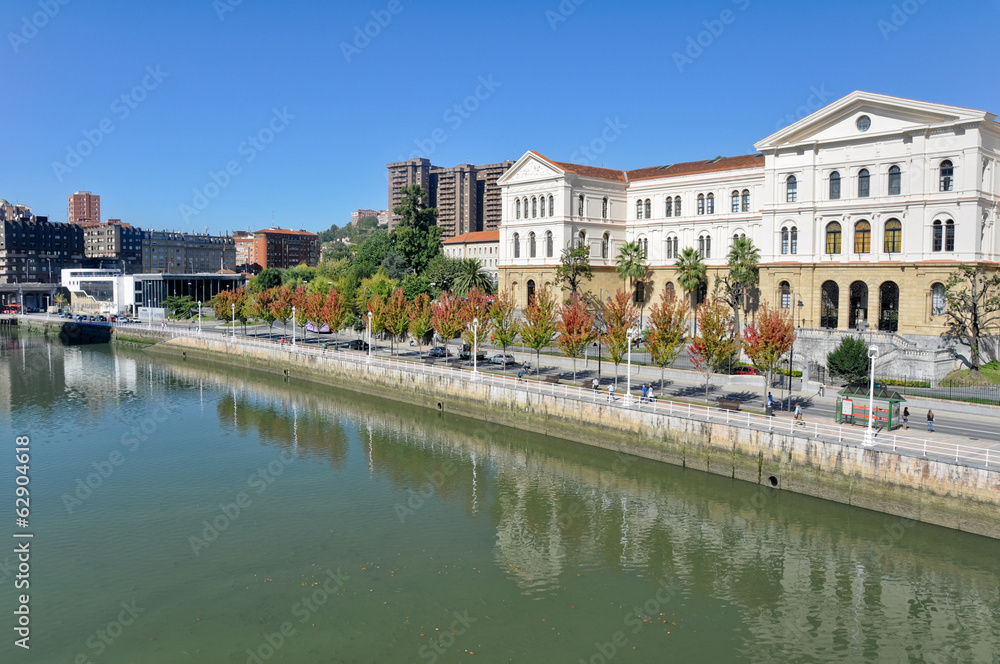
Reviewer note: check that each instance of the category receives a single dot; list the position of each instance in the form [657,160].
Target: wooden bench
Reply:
[729,404]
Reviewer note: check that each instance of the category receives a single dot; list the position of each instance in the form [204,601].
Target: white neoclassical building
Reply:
[860,211]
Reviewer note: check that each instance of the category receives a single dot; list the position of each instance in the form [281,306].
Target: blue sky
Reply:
[223,113]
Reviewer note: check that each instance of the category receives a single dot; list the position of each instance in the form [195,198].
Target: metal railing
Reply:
[959,453]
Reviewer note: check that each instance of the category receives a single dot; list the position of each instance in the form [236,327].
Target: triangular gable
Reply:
[531,166]
[887,115]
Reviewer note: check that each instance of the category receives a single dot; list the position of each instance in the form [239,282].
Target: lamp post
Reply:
[369,336]
[600,298]
[233,305]
[869,440]
[199,317]
[293,325]
[628,372]
[475,348]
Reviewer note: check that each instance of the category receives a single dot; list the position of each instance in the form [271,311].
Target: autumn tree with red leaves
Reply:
[576,329]
[717,341]
[767,339]
[447,317]
[667,331]
[620,316]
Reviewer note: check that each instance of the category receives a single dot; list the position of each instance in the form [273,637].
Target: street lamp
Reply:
[369,335]
[628,371]
[199,317]
[869,440]
[233,305]
[475,348]
[293,325]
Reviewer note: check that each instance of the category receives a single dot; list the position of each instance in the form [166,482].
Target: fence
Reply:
[986,394]
[959,453]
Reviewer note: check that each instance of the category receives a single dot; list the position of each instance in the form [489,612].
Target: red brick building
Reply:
[84,208]
[275,247]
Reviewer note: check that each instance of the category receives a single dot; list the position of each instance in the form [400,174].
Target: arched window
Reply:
[834,186]
[858,304]
[833,238]
[644,246]
[937,236]
[864,183]
[649,209]
[677,206]
[531,291]
[552,205]
[862,237]
[579,206]
[784,240]
[947,176]
[701,203]
[668,207]
[949,235]
[786,295]
[605,241]
[791,189]
[937,300]
[888,307]
[517,245]
[525,207]
[795,240]
[893,236]
[668,289]
[746,200]
[829,304]
[541,213]
[548,244]
[581,240]
[710,204]
[604,209]
[531,244]
[638,209]
[518,207]
[705,246]
[676,244]
[640,292]
[736,200]
[534,207]
[895,180]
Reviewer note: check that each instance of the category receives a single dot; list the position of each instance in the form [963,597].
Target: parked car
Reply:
[502,358]
[466,353]
[358,344]
[747,371]
[438,351]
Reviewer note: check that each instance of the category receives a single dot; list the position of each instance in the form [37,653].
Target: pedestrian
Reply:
[930,420]
[596,383]
[520,375]
[770,400]
[798,413]
[906,418]
[645,392]
[611,392]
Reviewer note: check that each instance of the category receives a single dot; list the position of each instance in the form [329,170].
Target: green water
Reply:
[370,531]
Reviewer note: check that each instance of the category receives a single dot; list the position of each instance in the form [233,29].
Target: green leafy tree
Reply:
[414,285]
[667,331]
[300,274]
[378,284]
[179,306]
[691,273]
[576,329]
[539,323]
[506,326]
[396,315]
[767,339]
[371,253]
[259,307]
[396,266]
[620,317]
[442,272]
[972,308]
[744,275]
[631,263]
[471,275]
[574,267]
[416,236]
[224,302]
[420,319]
[447,317]
[716,343]
[849,360]
[266,280]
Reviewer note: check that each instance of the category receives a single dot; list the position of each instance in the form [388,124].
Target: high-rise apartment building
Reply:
[84,208]
[466,196]
[116,243]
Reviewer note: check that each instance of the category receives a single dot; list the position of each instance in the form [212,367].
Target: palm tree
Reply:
[470,275]
[691,272]
[631,263]
[744,273]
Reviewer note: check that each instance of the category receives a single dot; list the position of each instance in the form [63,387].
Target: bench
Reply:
[552,379]
[729,404]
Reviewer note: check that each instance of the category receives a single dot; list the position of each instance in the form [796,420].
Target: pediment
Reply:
[528,168]
[886,115]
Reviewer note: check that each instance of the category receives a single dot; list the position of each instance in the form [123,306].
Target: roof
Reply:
[586,171]
[284,231]
[880,394]
[755,160]
[472,238]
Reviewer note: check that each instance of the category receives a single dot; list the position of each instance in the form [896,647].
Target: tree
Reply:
[378,284]
[446,317]
[222,303]
[744,274]
[691,273]
[631,263]
[420,318]
[667,330]
[266,280]
[281,305]
[717,342]
[59,300]
[259,307]
[620,317]
[471,275]
[442,271]
[973,307]
[372,252]
[334,311]
[767,339]
[397,316]
[180,306]
[308,305]
[539,323]
[476,306]
[849,360]
[506,327]
[574,267]
[576,329]
[396,266]
[300,274]
[416,236]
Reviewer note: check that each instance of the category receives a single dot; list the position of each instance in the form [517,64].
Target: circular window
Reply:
[864,122]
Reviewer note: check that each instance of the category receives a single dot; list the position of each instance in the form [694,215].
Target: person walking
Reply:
[645,392]
[798,414]
[906,418]
[596,383]
[520,375]
[611,392]
[930,420]
[770,400]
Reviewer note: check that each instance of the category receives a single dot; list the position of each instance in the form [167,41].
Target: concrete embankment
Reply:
[948,494]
